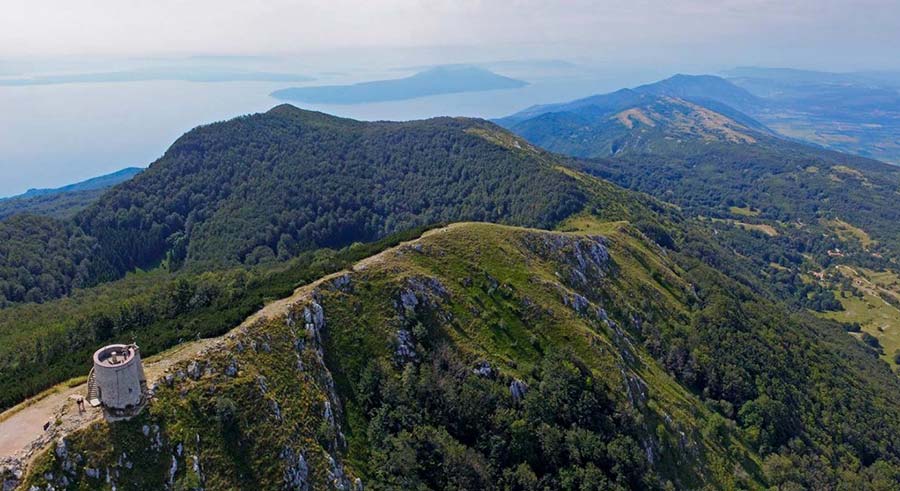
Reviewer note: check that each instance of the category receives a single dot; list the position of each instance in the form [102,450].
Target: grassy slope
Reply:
[875,315]
[503,302]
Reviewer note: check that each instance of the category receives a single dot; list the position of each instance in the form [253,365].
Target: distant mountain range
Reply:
[434,81]
[64,201]
[855,113]
[676,110]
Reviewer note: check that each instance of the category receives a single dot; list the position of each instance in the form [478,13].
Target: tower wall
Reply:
[119,375]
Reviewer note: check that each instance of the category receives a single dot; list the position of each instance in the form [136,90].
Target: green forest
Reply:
[704,312]
[264,188]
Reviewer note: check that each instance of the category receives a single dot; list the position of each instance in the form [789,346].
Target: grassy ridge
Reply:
[41,345]
[598,408]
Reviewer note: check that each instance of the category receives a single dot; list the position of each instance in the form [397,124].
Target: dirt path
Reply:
[22,427]
[22,432]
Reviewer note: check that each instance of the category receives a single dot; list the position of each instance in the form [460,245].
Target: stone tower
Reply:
[117,380]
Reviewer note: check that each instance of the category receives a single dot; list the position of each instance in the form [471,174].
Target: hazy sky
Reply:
[834,33]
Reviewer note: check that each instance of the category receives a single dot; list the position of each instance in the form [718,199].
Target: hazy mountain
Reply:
[703,89]
[435,81]
[65,201]
[710,91]
[629,121]
[857,112]
[100,182]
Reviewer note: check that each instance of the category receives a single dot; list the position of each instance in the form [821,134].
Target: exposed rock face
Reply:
[577,302]
[406,350]
[232,369]
[587,257]
[261,382]
[518,389]
[296,470]
[314,321]
[636,389]
[10,474]
[342,283]
[194,370]
[483,369]
[419,291]
[408,300]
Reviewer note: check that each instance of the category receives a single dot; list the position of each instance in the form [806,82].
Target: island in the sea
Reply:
[434,81]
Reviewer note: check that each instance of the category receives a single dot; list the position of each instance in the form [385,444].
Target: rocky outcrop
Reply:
[483,369]
[296,470]
[405,350]
[11,473]
[518,389]
[585,257]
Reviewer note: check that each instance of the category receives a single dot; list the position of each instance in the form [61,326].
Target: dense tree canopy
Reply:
[42,258]
[268,186]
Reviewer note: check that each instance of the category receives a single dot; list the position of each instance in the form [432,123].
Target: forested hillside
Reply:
[266,187]
[42,258]
[643,347]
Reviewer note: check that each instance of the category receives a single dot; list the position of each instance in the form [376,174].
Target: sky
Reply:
[58,134]
[817,33]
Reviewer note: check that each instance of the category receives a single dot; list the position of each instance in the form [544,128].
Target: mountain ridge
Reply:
[103,181]
[486,307]
[322,296]
[268,186]
[65,201]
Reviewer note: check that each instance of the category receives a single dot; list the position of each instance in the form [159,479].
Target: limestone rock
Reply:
[194,370]
[405,350]
[296,471]
[518,389]
[232,369]
[483,369]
